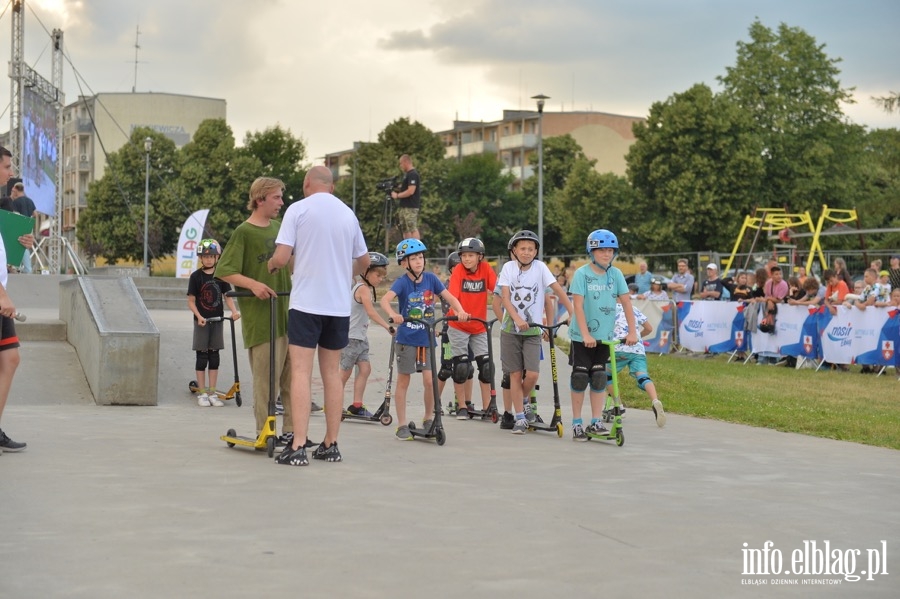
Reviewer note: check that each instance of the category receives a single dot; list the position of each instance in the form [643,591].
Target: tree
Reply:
[112,225]
[413,138]
[696,167]
[282,156]
[890,102]
[790,88]
[880,205]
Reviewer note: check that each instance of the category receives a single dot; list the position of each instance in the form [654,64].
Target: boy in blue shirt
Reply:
[595,288]
[415,293]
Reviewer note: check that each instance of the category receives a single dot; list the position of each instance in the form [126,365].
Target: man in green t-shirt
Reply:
[244,265]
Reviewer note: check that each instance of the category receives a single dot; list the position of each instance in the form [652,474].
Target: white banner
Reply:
[788,329]
[852,332]
[706,326]
[186,252]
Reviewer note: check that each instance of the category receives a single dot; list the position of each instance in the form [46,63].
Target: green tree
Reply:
[696,167]
[413,138]
[112,225]
[282,156]
[790,88]
[880,205]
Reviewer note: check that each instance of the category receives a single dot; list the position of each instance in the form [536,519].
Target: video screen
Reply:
[39,154]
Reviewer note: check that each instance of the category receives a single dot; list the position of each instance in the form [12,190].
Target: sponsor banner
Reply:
[661,316]
[859,336]
[708,326]
[190,236]
[796,332]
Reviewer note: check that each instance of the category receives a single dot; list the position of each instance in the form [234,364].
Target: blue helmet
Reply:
[601,238]
[408,247]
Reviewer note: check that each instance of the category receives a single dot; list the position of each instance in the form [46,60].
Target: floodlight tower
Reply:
[54,251]
[17,75]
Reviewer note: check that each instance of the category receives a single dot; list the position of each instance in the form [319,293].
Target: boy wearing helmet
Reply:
[595,289]
[472,283]
[522,283]
[362,309]
[205,300]
[415,293]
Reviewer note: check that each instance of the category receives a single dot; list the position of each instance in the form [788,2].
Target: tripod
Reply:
[387,218]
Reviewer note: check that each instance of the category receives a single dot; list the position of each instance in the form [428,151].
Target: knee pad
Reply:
[485,369]
[598,378]
[446,370]
[504,382]
[642,381]
[213,359]
[580,379]
[461,367]
[202,361]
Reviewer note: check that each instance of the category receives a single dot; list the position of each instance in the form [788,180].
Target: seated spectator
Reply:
[810,290]
[656,292]
[712,286]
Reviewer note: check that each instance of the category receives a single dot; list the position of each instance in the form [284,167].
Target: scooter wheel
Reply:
[440,436]
[237,399]
[620,437]
[387,419]
[230,433]
[495,417]
[193,386]
[270,446]
[559,429]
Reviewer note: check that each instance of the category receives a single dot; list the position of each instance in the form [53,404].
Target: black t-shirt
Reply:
[24,206]
[713,285]
[409,179]
[209,293]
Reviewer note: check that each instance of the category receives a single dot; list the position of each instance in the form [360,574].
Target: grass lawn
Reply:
[848,406]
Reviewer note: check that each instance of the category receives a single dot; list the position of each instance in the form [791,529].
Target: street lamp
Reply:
[540,106]
[148,144]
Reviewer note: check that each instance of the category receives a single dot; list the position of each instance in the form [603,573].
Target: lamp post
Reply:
[540,98]
[148,144]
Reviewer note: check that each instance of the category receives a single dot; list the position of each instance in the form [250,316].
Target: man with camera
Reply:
[409,196]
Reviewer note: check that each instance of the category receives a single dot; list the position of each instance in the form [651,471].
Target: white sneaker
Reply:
[214,400]
[203,400]
[659,413]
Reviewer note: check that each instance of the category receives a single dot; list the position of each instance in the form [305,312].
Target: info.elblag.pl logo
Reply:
[813,563]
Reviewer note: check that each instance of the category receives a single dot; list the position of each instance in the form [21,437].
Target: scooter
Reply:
[235,391]
[490,412]
[436,430]
[383,413]
[555,424]
[615,413]
[267,437]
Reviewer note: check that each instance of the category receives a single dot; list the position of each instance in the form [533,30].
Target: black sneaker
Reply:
[331,454]
[359,411]
[8,445]
[507,421]
[293,457]
[284,439]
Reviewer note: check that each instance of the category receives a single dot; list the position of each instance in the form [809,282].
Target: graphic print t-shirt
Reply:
[599,292]
[209,293]
[526,293]
[416,304]
[472,289]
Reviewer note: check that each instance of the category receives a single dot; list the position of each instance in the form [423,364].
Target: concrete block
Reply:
[114,337]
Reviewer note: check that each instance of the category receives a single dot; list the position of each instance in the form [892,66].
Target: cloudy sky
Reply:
[335,72]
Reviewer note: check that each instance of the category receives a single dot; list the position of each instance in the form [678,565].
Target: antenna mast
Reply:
[137,47]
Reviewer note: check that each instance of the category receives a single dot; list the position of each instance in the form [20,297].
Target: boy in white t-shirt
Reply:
[522,282]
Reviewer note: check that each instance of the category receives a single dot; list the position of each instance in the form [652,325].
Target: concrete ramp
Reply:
[115,338]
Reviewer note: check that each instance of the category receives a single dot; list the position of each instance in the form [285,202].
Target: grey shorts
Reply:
[461,342]
[209,336]
[520,352]
[409,219]
[357,351]
[406,358]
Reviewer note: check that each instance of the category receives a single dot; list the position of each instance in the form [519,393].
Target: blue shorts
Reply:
[636,363]
[315,330]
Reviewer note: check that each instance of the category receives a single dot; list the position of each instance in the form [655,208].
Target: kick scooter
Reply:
[436,430]
[490,412]
[235,390]
[267,437]
[383,413]
[555,424]
[615,413]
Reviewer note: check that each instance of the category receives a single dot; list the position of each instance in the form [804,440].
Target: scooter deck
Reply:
[436,432]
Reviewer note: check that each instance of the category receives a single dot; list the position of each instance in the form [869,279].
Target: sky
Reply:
[338,72]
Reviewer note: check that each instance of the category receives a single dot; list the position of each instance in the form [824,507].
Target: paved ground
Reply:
[147,502]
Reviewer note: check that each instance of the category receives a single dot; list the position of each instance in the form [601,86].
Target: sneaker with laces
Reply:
[520,427]
[214,400]
[314,408]
[426,424]
[359,411]
[530,415]
[292,457]
[578,433]
[330,454]
[8,445]
[403,433]
[659,413]
[462,414]
[507,421]
[597,429]
[203,400]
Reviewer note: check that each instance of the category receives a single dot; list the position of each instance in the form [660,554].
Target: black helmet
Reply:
[209,247]
[452,261]
[471,244]
[523,234]
[376,259]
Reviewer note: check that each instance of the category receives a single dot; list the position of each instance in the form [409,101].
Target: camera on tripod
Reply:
[388,185]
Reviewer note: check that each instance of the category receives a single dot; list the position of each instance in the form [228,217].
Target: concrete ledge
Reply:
[49,330]
[114,337]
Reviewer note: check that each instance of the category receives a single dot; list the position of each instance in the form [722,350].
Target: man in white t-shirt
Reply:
[328,250]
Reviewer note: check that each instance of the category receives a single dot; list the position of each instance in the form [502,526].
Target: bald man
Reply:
[328,248]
